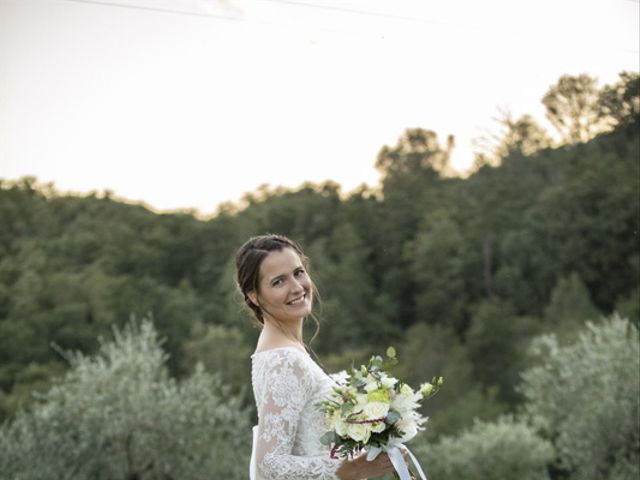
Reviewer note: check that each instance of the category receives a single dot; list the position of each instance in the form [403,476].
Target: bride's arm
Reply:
[286,388]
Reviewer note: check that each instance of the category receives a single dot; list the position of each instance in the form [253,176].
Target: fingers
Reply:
[385,463]
[380,465]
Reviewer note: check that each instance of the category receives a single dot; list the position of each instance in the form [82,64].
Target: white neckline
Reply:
[289,347]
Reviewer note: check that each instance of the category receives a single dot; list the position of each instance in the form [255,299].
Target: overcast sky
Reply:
[189,103]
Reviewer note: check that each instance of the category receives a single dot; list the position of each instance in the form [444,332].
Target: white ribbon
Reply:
[397,460]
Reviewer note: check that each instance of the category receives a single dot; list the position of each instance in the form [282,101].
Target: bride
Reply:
[287,383]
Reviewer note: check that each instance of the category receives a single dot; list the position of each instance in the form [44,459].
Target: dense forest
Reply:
[464,276]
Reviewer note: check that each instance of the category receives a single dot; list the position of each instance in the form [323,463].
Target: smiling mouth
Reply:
[298,301]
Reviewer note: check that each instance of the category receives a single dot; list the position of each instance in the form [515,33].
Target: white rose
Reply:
[375,410]
[378,427]
[360,432]
[342,428]
[388,382]
[334,419]
[371,386]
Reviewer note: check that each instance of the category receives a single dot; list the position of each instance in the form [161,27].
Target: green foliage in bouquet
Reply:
[118,415]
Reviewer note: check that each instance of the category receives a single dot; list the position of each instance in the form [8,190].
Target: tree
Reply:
[352,314]
[575,224]
[118,415]
[416,149]
[435,350]
[570,306]
[517,137]
[572,106]
[495,342]
[583,397]
[222,351]
[620,103]
[411,183]
[436,260]
[629,307]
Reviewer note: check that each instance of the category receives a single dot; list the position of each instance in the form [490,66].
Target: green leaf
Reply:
[329,438]
[392,417]
[346,407]
[391,352]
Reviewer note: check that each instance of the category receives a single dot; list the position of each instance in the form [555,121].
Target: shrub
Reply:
[506,449]
[585,398]
[118,415]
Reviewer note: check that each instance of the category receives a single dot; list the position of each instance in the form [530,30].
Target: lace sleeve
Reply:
[285,387]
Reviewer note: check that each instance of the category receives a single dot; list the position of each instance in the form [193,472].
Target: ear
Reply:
[253,297]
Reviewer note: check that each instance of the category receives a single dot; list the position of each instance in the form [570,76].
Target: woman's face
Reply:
[285,291]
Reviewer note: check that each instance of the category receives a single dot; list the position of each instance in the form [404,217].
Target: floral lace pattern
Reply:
[287,385]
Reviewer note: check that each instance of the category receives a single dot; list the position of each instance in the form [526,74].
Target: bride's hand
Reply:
[360,468]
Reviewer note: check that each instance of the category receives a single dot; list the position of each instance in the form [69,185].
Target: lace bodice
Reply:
[287,385]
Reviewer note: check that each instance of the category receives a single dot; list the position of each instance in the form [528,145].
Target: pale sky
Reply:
[191,109]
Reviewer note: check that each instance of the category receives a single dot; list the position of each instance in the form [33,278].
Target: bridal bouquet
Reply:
[370,410]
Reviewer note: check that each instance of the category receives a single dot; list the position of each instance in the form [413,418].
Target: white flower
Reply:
[406,401]
[334,419]
[408,427]
[378,427]
[379,395]
[371,386]
[341,378]
[337,423]
[375,410]
[388,382]
[360,432]
[426,389]
[361,401]
[406,390]
[341,427]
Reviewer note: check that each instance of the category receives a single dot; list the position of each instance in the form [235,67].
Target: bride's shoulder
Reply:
[279,350]
[277,363]
[277,344]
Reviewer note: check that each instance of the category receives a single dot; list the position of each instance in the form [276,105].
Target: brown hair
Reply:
[248,261]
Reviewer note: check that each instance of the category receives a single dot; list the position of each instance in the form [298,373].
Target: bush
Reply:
[223,352]
[503,450]
[433,351]
[495,344]
[585,398]
[118,415]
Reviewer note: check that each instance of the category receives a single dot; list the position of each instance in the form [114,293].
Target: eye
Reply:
[276,282]
[300,271]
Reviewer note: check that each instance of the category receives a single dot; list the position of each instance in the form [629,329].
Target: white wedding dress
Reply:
[287,385]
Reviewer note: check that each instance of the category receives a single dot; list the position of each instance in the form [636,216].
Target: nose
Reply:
[298,285]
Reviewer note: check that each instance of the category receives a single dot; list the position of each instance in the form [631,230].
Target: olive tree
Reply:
[584,398]
[119,415]
[507,449]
